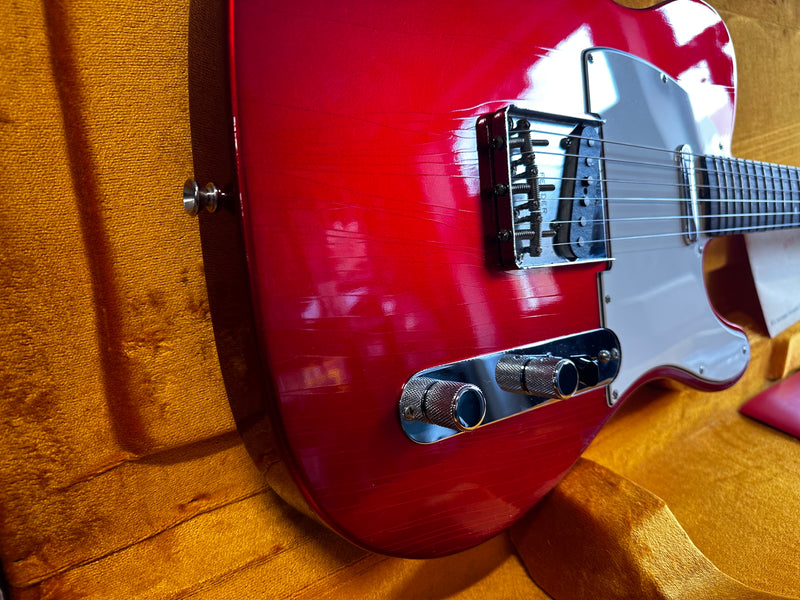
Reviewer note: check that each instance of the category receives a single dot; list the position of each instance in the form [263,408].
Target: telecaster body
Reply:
[366,238]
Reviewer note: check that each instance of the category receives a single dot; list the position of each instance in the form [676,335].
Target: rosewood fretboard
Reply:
[742,196]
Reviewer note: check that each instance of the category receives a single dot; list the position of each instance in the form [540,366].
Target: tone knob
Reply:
[544,376]
[452,404]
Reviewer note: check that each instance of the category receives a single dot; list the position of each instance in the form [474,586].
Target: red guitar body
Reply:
[365,243]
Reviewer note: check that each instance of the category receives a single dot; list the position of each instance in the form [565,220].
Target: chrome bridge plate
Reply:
[596,352]
[542,188]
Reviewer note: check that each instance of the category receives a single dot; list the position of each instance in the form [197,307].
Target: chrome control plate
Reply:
[595,353]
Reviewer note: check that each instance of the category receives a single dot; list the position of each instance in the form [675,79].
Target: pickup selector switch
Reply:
[544,376]
[588,370]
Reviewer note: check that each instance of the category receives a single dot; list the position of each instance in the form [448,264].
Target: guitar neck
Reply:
[744,196]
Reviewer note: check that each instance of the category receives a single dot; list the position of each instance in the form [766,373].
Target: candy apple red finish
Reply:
[361,203]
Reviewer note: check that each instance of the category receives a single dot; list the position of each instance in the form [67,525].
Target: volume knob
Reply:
[544,376]
[451,404]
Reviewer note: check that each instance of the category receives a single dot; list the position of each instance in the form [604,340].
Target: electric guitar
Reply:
[472,230]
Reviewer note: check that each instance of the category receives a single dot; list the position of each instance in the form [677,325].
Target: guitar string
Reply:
[777,207]
[784,172]
[730,161]
[727,175]
[764,226]
[777,199]
[728,178]
[639,182]
[605,141]
[751,179]
[722,230]
[743,228]
[723,174]
[681,217]
[670,234]
[783,176]
[779,194]
[635,198]
[673,165]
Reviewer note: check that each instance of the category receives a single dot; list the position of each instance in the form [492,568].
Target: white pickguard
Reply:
[654,295]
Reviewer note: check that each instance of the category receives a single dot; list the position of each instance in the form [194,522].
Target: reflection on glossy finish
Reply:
[359,179]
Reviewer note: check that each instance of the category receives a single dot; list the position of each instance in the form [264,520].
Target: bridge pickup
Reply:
[581,211]
[536,211]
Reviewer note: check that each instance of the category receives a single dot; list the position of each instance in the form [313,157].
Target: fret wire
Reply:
[769,194]
[794,191]
[730,191]
[787,197]
[784,218]
[738,221]
[760,191]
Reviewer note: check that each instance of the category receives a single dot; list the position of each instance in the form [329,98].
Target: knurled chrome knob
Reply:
[544,376]
[452,404]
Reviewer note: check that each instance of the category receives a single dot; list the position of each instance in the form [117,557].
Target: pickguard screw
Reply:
[702,369]
[664,78]
[744,349]
[615,395]
[607,299]
[590,58]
